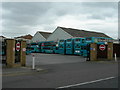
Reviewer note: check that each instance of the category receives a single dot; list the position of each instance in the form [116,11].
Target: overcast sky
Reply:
[21,18]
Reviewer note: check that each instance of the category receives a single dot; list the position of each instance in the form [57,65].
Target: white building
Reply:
[40,36]
[116,41]
[2,38]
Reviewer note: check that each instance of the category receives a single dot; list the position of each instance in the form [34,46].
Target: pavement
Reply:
[54,71]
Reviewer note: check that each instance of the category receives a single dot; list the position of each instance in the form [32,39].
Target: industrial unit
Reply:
[66,33]
[40,36]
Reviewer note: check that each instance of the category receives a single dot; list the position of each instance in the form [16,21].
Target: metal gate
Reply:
[116,49]
[17,51]
[88,52]
[101,53]
[3,52]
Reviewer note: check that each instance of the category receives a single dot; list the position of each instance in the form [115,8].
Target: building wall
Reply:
[1,39]
[38,37]
[58,34]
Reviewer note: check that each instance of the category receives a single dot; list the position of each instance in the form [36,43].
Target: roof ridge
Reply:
[83,33]
[43,32]
[81,30]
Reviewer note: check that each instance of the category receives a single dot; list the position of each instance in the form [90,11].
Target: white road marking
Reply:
[85,83]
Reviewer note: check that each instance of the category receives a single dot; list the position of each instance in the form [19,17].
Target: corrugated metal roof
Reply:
[45,34]
[83,33]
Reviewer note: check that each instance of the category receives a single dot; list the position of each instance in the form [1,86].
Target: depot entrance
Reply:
[101,51]
[15,53]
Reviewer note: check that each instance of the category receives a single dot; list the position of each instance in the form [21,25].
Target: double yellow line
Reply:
[23,73]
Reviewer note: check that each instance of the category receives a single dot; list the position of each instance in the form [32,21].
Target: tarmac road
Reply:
[45,59]
[65,73]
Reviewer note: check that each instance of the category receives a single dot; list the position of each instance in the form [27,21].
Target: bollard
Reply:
[115,57]
[33,63]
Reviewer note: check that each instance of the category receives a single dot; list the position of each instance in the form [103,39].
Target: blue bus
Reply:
[35,47]
[79,46]
[98,40]
[70,46]
[3,49]
[28,49]
[56,48]
[48,47]
[84,47]
[62,47]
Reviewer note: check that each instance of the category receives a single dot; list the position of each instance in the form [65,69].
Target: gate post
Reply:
[10,52]
[23,53]
[93,51]
[110,51]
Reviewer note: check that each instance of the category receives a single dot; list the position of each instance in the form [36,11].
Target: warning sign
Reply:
[18,46]
[24,49]
[102,47]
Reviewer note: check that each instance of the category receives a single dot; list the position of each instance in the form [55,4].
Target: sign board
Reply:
[102,47]
[13,49]
[18,46]
[24,49]
[42,44]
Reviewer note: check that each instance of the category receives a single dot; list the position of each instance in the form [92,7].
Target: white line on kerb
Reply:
[85,83]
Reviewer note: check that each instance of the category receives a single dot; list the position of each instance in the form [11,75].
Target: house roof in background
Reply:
[2,37]
[83,33]
[25,37]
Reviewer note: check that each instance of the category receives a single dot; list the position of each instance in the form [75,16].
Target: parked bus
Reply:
[48,47]
[62,47]
[28,49]
[70,46]
[3,51]
[35,47]
[3,48]
[77,46]
[98,40]
[84,47]
[56,48]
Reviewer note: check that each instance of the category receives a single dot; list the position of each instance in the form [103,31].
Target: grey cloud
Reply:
[27,7]
[101,10]
[45,14]
[98,10]
[96,16]
[25,13]
[104,5]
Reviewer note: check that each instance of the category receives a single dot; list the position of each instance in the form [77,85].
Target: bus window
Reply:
[60,46]
[68,46]
[77,40]
[61,40]
[83,40]
[77,46]
[34,44]
[88,39]
[69,40]
[81,47]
